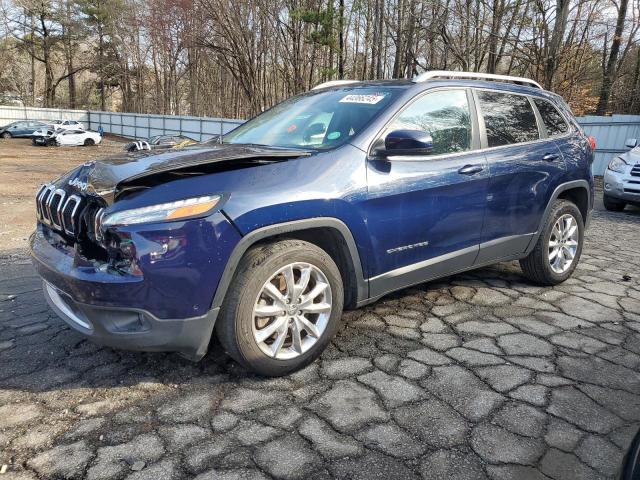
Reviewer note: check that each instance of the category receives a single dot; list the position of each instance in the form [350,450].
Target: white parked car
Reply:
[66,125]
[78,137]
[44,137]
[622,179]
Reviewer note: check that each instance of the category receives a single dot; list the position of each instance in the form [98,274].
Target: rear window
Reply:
[553,120]
[508,118]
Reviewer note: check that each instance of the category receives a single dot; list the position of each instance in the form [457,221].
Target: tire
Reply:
[5,135]
[613,204]
[537,266]
[89,142]
[237,326]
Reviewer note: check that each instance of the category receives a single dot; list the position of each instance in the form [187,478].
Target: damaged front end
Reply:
[81,210]
[131,254]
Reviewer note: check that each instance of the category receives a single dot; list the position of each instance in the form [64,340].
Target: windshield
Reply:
[317,119]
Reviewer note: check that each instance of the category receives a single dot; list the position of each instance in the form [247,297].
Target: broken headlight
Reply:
[179,210]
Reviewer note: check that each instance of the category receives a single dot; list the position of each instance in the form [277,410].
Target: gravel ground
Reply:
[482,375]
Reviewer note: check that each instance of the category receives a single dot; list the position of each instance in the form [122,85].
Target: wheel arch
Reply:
[330,234]
[576,191]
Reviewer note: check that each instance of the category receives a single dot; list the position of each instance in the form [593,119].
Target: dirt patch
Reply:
[23,168]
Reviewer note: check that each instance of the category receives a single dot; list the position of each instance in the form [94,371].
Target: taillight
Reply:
[592,143]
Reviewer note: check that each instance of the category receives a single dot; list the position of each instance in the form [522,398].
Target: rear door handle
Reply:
[550,157]
[471,169]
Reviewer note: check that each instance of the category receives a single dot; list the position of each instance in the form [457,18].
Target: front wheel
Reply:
[613,204]
[5,135]
[557,251]
[282,308]
[89,142]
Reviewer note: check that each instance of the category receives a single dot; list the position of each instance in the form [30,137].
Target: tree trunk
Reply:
[551,64]
[101,85]
[612,64]
[341,40]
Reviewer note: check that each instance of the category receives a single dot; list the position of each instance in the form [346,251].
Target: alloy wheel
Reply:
[292,311]
[563,243]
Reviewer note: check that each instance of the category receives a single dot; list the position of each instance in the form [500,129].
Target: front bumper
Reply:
[621,186]
[167,307]
[134,329]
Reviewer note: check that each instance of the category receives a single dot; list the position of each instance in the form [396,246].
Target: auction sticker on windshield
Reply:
[369,99]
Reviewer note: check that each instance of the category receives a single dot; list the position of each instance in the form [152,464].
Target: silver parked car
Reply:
[622,179]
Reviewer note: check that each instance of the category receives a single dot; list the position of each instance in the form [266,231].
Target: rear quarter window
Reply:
[508,118]
[553,120]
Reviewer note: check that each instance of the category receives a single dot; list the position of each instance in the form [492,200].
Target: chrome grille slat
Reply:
[38,197]
[70,229]
[44,200]
[60,210]
[54,210]
[97,225]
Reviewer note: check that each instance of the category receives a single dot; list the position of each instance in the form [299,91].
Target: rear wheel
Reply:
[613,204]
[282,308]
[557,251]
[88,142]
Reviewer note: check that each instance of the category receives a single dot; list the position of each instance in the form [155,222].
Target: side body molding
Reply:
[288,227]
[554,196]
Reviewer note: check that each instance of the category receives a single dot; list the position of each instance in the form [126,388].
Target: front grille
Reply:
[632,190]
[635,171]
[62,211]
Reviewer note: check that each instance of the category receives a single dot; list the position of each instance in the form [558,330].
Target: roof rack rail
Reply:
[433,74]
[334,83]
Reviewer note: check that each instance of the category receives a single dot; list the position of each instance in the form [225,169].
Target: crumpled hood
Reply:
[102,177]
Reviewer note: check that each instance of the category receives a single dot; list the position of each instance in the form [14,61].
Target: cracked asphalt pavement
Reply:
[481,375]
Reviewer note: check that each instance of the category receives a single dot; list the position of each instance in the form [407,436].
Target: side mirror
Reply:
[405,142]
[632,142]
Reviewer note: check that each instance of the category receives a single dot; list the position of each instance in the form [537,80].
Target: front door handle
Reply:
[471,169]
[550,157]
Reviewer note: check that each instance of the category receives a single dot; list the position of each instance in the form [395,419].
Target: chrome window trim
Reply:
[77,201]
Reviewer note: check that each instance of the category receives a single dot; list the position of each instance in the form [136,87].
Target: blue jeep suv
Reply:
[329,200]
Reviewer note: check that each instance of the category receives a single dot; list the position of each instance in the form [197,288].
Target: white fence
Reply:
[134,125]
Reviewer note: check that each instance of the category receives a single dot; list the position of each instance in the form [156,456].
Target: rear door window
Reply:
[553,120]
[508,118]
